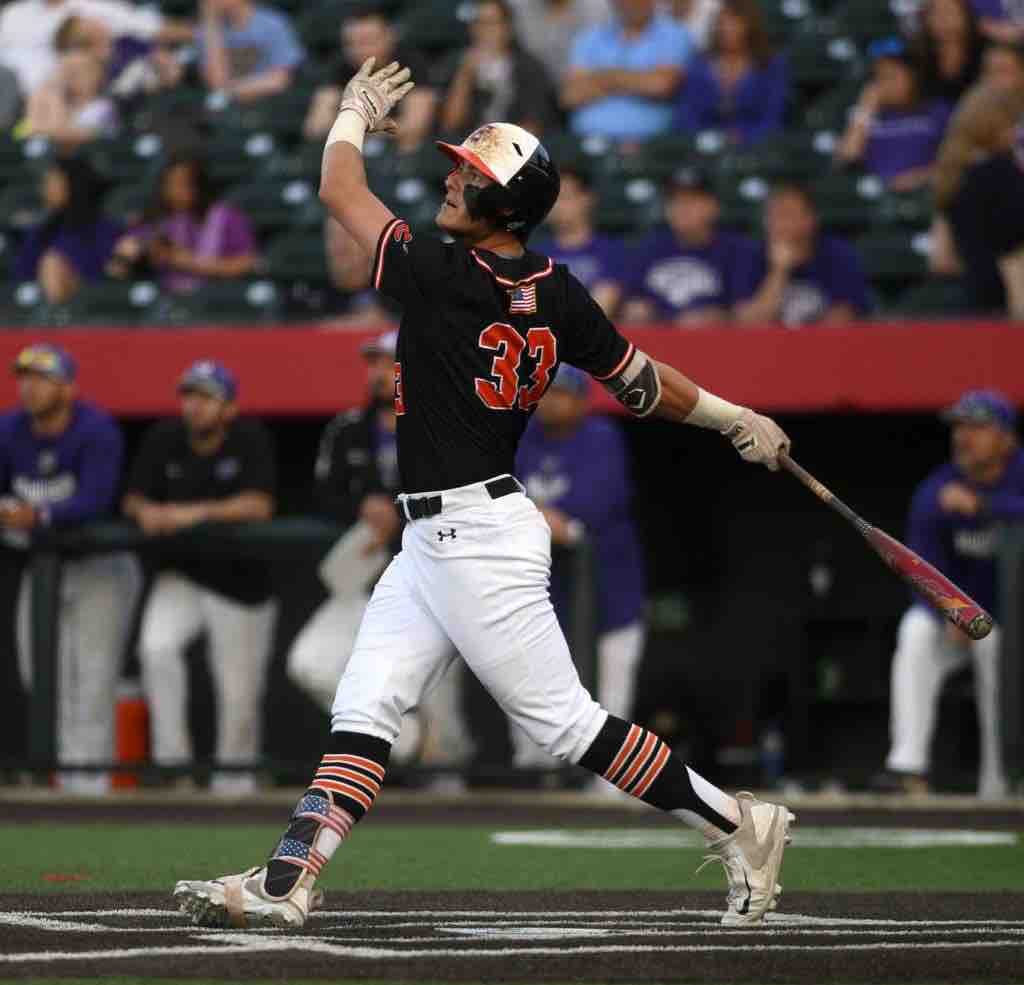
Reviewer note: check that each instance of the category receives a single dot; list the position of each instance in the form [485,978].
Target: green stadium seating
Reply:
[21,205]
[436,24]
[829,111]
[819,55]
[905,209]
[184,105]
[894,256]
[232,156]
[278,203]
[20,158]
[133,158]
[627,207]
[296,256]
[866,20]
[413,198]
[20,304]
[742,201]
[846,201]
[109,303]
[127,203]
[244,301]
[783,18]
[281,115]
[938,297]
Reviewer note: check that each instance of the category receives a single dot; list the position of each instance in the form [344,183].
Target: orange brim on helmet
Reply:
[458,153]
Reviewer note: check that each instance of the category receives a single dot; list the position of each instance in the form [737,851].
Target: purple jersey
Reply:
[68,478]
[677,278]
[1000,10]
[587,476]
[832,276]
[599,260]
[963,548]
[900,142]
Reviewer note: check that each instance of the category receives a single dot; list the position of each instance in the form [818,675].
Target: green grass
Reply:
[438,857]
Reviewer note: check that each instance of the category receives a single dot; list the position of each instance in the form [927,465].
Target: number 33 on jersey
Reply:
[480,340]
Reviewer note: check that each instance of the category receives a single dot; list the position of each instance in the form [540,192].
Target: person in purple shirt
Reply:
[690,273]
[1000,20]
[60,465]
[597,261]
[576,469]
[953,519]
[740,86]
[72,244]
[893,131]
[801,275]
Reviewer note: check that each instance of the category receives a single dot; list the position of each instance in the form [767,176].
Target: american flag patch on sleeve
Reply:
[523,300]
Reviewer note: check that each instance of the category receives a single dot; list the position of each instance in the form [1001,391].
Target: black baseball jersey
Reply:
[168,470]
[480,341]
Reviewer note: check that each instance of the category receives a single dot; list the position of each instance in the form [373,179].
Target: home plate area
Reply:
[557,937]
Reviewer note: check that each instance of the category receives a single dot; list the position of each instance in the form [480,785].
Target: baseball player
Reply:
[485,325]
[207,466]
[952,526]
[60,465]
[575,468]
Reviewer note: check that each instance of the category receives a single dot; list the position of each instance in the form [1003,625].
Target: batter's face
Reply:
[380,377]
[980,448]
[42,395]
[205,414]
[453,216]
[562,409]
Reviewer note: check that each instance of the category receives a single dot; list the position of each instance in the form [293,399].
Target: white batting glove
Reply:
[758,439]
[373,95]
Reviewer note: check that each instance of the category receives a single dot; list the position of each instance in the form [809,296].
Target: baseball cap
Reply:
[211,378]
[983,407]
[690,179]
[571,379]
[382,345]
[47,359]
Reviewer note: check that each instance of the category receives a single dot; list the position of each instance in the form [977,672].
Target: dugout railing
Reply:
[300,540]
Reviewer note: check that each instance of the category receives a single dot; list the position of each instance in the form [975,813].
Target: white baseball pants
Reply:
[97,599]
[924,658]
[239,641]
[473,579]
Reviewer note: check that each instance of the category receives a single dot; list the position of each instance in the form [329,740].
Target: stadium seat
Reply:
[232,156]
[819,56]
[905,208]
[894,256]
[127,203]
[182,106]
[278,203]
[866,20]
[742,201]
[224,301]
[21,205]
[846,201]
[21,157]
[829,112]
[631,206]
[127,159]
[109,303]
[281,115]
[296,256]
[783,18]
[436,24]
[413,198]
[20,304]
[938,297]
[797,154]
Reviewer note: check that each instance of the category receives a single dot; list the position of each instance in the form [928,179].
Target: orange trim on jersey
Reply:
[378,266]
[632,738]
[372,787]
[353,793]
[639,761]
[622,364]
[653,771]
[358,761]
[504,281]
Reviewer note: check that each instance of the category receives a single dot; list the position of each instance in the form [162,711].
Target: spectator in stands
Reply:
[740,86]
[497,79]
[948,49]
[1003,67]
[206,466]
[697,16]
[72,107]
[893,131]
[597,261]
[247,51]
[690,273]
[546,28]
[801,274]
[979,194]
[625,74]
[72,244]
[188,236]
[368,32]
[60,466]
[1000,20]
[28,29]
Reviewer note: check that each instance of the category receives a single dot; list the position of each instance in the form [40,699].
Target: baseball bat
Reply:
[944,596]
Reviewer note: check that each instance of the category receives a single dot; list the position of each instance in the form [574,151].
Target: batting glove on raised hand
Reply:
[373,95]
[758,439]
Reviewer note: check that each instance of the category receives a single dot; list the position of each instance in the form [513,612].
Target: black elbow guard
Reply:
[637,385]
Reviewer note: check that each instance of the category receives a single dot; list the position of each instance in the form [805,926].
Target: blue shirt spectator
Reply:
[246,50]
[624,74]
[691,272]
[800,275]
[739,87]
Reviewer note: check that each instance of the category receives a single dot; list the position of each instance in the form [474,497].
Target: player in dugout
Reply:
[485,325]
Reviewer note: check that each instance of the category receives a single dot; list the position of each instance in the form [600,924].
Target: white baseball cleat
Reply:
[240,901]
[752,857]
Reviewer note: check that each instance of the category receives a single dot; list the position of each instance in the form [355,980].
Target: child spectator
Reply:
[498,80]
[690,273]
[188,236]
[624,75]
[801,274]
[892,131]
[739,86]
[73,107]
[365,33]
[948,49]
[546,28]
[594,259]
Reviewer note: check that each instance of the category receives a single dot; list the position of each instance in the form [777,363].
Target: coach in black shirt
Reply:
[208,466]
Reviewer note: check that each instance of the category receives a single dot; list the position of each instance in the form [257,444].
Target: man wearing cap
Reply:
[60,465]
[952,525]
[207,466]
[690,272]
[576,469]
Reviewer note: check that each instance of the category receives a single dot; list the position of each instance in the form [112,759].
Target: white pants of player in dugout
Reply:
[97,599]
[925,656]
[474,579]
[239,641]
